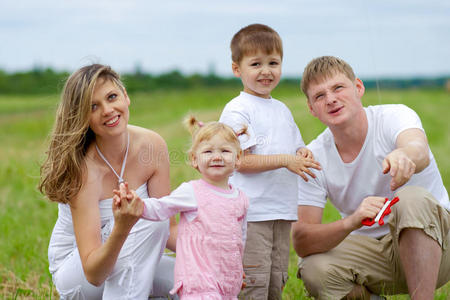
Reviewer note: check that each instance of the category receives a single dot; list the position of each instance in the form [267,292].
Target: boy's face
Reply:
[335,100]
[260,73]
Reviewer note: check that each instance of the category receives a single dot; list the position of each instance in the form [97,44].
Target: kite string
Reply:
[371,47]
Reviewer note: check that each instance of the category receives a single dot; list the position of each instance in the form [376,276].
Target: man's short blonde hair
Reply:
[324,67]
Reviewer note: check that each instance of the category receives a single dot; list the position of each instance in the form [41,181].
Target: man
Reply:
[367,155]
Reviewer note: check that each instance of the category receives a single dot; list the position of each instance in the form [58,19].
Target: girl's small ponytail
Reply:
[242,131]
[192,124]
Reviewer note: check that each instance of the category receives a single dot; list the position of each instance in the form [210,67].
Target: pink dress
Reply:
[210,248]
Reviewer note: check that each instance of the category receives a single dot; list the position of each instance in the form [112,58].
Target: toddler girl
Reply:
[212,227]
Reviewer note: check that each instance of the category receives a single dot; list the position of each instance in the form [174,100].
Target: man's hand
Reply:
[410,156]
[368,208]
[399,166]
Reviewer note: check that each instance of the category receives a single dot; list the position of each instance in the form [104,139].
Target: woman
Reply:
[98,249]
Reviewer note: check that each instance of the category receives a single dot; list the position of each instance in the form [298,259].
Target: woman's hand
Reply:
[127,206]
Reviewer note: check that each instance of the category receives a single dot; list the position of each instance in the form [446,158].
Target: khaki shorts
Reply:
[373,263]
[266,259]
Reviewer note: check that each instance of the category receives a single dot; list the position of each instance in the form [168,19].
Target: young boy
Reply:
[274,157]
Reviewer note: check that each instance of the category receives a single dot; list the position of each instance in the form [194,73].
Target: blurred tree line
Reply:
[47,81]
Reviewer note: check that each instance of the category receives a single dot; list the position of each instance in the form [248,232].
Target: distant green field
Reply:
[26,218]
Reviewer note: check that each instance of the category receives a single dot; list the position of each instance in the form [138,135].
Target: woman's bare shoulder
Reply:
[144,137]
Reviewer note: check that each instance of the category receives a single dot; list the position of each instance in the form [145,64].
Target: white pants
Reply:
[71,282]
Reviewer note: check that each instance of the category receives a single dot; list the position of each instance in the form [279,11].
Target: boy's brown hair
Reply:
[324,67]
[254,38]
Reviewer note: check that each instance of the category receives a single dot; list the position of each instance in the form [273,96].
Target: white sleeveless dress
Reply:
[134,272]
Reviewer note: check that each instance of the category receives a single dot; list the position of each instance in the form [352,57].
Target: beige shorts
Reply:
[266,259]
[373,263]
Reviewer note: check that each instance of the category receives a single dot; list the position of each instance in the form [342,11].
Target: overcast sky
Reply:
[380,38]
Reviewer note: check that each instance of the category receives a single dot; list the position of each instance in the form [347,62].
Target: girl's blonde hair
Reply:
[63,169]
[203,132]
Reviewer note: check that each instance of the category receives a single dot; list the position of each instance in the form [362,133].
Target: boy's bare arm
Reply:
[254,163]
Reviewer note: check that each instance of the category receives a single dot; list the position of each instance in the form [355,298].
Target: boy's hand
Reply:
[300,165]
[305,152]
[243,281]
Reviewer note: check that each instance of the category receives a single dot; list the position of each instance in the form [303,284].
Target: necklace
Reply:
[123,162]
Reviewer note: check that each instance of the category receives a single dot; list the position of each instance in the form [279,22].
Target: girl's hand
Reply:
[127,206]
[118,196]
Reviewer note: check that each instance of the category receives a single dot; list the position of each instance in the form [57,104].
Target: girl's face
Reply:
[216,160]
[109,109]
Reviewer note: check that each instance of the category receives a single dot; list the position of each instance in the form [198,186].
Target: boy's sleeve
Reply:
[298,140]
[299,143]
[181,199]
[235,116]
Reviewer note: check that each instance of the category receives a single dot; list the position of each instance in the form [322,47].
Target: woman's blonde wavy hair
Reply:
[63,169]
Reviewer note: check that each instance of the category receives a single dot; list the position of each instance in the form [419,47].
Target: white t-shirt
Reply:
[271,130]
[347,184]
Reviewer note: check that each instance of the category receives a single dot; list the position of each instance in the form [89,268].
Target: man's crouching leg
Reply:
[420,229]
[323,279]
[357,265]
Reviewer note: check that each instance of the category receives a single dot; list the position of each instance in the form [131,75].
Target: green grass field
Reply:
[27,218]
